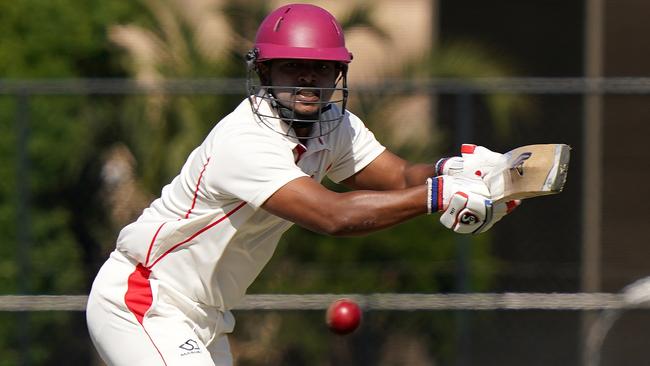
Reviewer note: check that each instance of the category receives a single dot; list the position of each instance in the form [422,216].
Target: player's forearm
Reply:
[417,174]
[362,212]
[312,206]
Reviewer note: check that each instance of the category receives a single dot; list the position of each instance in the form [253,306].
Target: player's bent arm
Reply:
[312,206]
[388,171]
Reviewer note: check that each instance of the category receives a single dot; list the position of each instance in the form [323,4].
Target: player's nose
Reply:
[307,76]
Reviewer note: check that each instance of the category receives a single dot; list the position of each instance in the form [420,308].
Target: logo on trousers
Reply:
[189,347]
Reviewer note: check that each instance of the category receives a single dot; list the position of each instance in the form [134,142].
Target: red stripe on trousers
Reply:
[138,297]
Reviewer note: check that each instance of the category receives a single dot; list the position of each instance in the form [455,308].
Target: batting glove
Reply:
[474,160]
[477,161]
[443,187]
[464,204]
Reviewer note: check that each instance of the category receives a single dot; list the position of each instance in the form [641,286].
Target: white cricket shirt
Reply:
[206,236]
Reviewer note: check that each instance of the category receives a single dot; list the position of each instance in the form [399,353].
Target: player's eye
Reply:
[323,68]
[291,65]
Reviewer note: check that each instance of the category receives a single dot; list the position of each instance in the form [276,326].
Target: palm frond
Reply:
[361,16]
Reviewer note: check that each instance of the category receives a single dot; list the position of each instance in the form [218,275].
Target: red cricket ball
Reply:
[343,316]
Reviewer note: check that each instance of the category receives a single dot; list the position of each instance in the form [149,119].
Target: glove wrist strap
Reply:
[429,195]
[434,194]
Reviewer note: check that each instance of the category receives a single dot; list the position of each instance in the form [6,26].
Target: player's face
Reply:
[308,74]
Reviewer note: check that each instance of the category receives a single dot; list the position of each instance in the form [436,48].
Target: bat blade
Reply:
[530,171]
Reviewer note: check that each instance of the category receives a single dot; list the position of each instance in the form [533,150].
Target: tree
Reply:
[59,39]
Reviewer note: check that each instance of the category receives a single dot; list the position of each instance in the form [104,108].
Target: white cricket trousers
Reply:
[152,324]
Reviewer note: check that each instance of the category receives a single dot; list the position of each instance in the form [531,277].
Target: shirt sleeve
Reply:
[356,147]
[250,167]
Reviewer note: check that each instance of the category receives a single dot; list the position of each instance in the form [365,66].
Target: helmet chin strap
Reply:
[290,116]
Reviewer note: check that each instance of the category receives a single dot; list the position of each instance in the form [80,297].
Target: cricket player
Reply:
[164,295]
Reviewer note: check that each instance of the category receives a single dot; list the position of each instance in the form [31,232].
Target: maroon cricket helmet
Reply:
[301,31]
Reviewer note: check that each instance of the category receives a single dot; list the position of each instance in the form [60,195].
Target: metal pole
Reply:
[23,222]
[592,168]
[463,242]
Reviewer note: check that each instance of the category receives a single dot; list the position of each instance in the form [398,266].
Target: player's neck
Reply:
[302,134]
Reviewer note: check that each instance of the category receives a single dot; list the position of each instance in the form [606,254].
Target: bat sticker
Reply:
[518,164]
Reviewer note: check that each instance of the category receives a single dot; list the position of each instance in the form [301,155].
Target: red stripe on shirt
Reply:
[298,151]
[198,233]
[153,240]
[196,189]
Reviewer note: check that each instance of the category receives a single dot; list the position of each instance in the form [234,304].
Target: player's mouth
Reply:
[308,95]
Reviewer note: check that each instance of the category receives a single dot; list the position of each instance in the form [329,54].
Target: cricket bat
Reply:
[530,171]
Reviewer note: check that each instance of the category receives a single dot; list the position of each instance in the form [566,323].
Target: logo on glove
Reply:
[469,218]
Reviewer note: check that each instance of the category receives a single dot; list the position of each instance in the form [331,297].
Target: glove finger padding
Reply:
[466,185]
[480,161]
[466,213]
[449,166]
[477,161]
[442,188]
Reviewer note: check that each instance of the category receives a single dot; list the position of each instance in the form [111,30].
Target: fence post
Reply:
[23,219]
[464,116]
